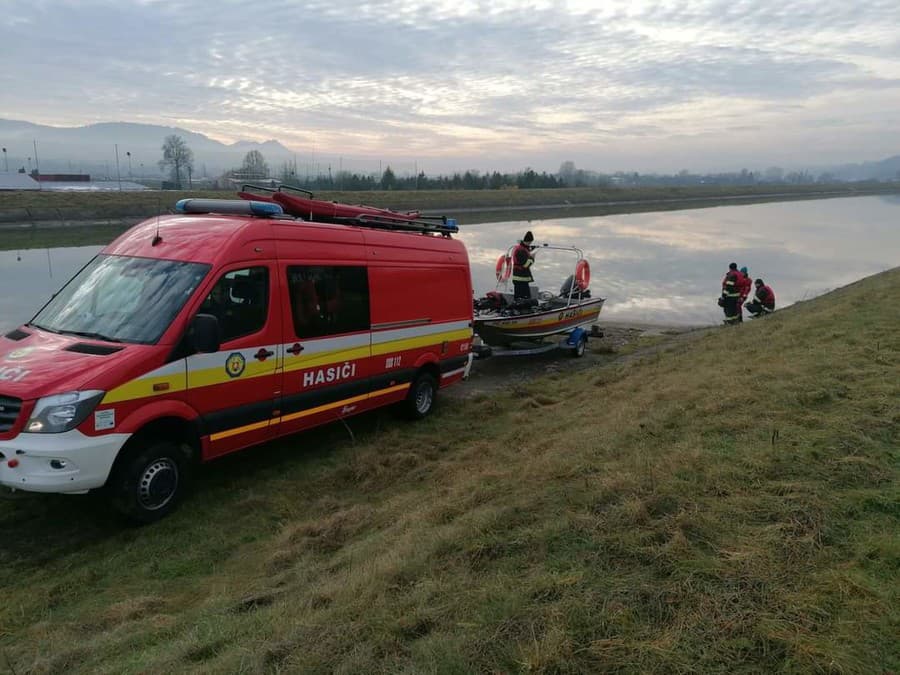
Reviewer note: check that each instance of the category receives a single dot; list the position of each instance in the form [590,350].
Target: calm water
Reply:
[659,267]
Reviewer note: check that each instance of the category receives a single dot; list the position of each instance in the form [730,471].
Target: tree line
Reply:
[178,161]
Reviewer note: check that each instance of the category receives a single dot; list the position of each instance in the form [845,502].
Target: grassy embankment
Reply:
[95,218]
[667,514]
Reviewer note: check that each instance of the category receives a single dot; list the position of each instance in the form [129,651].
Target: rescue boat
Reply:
[304,205]
[500,320]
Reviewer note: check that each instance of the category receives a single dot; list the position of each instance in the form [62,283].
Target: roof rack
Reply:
[434,224]
[261,188]
[295,189]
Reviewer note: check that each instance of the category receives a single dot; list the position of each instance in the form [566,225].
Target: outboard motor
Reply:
[569,286]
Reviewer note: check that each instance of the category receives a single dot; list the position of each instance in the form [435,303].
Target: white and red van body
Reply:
[316,322]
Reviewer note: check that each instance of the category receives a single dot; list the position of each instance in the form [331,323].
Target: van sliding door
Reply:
[327,343]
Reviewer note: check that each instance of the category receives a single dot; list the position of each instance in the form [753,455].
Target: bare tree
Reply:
[177,158]
[254,165]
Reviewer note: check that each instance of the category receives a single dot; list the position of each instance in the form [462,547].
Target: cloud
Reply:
[467,80]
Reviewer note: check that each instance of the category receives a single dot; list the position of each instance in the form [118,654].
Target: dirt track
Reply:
[620,343]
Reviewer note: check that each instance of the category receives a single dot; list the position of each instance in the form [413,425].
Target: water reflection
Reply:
[667,266]
[662,267]
[30,277]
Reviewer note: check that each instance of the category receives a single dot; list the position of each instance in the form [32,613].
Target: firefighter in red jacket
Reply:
[731,295]
[523,259]
[763,300]
[745,286]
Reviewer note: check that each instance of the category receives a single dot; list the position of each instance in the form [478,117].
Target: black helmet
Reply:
[758,282]
[732,266]
[528,238]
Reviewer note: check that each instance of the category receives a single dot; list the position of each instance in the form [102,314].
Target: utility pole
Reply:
[6,160]
[37,166]
[118,175]
[129,165]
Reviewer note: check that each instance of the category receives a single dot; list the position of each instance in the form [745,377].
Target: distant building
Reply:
[18,181]
[64,177]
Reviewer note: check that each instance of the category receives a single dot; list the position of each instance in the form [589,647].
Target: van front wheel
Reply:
[150,480]
[419,401]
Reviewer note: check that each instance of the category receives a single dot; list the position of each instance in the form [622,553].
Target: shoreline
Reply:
[61,209]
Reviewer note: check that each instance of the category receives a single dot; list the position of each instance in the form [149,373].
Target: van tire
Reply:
[148,482]
[420,399]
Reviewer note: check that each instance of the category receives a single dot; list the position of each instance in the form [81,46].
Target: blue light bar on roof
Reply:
[450,225]
[231,207]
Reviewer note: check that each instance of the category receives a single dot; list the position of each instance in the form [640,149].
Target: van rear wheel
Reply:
[149,482]
[419,401]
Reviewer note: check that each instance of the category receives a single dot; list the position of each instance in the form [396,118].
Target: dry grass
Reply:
[680,516]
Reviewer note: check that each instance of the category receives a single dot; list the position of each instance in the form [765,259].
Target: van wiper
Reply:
[92,336]
[40,327]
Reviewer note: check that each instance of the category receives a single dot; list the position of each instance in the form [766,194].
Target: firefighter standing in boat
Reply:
[731,295]
[523,259]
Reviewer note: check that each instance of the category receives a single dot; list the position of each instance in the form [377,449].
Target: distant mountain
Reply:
[91,148]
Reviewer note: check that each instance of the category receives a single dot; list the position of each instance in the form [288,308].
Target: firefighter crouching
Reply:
[523,259]
[730,300]
[763,300]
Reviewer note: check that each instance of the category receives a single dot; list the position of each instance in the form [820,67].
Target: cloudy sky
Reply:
[638,85]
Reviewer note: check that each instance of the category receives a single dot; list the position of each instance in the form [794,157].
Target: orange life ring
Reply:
[583,274]
[503,268]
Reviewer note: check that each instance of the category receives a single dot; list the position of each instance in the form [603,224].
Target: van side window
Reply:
[240,301]
[328,300]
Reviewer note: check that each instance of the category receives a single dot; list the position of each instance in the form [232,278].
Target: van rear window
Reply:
[122,299]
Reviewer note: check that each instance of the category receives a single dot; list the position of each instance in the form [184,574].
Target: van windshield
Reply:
[122,299]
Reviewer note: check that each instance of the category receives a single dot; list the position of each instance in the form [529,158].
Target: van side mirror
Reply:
[204,334]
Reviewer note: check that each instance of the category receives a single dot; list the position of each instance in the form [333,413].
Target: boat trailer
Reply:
[574,341]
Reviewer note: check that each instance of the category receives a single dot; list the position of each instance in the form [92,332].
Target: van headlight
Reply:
[62,412]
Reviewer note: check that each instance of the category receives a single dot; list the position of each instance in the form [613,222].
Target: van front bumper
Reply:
[66,462]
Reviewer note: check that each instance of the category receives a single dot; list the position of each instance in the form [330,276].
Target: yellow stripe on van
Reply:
[424,341]
[218,375]
[306,413]
[239,430]
[143,388]
[325,358]
[346,401]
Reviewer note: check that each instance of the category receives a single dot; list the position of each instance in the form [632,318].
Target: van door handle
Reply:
[295,349]
[263,354]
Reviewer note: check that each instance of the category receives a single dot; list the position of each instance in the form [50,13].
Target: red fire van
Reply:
[199,334]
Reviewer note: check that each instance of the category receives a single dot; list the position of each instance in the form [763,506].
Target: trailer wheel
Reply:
[579,349]
[419,401]
[148,483]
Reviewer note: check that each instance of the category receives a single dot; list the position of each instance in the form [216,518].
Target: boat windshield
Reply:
[122,299]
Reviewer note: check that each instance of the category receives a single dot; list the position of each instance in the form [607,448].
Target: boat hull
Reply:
[497,330]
